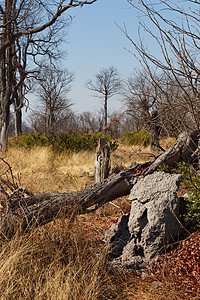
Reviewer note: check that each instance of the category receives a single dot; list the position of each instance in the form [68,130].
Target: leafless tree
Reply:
[140,99]
[143,101]
[176,32]
[30,53]
[87,122]
[53,86]
[20,20]
[107,85]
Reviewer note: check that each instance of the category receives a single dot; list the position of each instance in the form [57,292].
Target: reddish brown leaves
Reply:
[182,266]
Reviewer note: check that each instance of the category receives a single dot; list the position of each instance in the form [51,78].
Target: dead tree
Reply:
[20,211]
[174,30]
[54,105]
[107,85]
[102,161]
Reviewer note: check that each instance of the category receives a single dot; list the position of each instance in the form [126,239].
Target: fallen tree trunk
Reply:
[43,208]
[183,150]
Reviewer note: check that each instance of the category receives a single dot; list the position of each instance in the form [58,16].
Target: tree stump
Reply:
[102,161]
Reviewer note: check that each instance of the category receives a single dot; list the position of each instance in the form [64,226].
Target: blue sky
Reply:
[95,42]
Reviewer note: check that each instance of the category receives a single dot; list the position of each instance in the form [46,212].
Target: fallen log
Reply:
[41,209]
[183,150]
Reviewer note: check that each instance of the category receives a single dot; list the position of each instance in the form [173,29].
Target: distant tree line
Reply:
[145,106]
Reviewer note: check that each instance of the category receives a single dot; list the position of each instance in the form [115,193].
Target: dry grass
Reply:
[64,260]
[125,154]
[41,170]
[52,264]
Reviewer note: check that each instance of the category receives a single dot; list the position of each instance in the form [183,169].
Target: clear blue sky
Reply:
[95,42]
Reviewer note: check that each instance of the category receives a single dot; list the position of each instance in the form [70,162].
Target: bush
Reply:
[135,138]
[191,184]
[77,142]
[28,140]
[61,142]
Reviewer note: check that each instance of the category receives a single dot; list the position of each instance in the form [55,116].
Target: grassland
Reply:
[63,260]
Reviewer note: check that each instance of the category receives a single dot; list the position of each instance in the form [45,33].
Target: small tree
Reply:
[154,107]
[142,100]
[107,85]
[53,87]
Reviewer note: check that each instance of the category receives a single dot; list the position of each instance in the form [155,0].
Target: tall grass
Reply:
[41,170]
[49,264]
[63,261]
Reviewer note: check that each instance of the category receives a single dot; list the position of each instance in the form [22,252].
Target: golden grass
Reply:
[44,265]
[60,261]
[41,170]
[126,154]
[63,260]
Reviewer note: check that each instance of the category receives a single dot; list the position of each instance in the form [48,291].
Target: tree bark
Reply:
[6,77]
[182,150]
[18,122]
[102,161]
[106,110]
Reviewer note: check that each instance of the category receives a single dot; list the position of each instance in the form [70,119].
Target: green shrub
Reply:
[136,138]
[191,185]
[29,140]
[61,142]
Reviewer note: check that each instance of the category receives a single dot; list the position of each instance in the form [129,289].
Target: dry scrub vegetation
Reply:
[65,259]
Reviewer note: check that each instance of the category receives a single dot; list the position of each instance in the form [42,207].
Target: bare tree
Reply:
[107,85]
[53,85]
[142,99]
[20,19]
[30,53]
[87,122]
[176,32]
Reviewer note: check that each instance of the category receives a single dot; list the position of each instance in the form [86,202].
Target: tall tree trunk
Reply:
[18,100]
[106,110]
[18,122]
[3,126]
[5,118]
[6,77]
